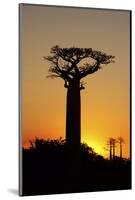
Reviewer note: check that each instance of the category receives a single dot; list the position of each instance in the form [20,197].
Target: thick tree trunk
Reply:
[73,113]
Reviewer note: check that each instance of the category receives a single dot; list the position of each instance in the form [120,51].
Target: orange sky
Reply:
[105,102]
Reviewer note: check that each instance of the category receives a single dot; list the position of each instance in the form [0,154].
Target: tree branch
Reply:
[89,69]
[56,70]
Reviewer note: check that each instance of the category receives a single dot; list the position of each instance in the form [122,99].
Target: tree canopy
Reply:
[64,62]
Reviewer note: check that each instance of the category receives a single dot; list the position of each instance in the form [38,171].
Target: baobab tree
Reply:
[72,65]
[120,140]
[112,145]
[109,143]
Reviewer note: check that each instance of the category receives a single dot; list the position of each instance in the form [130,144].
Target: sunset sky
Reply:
[105,102]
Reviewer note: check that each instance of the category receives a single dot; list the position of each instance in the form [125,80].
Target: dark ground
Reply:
[49,169]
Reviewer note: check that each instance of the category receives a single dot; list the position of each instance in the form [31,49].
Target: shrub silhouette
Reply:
[47,169]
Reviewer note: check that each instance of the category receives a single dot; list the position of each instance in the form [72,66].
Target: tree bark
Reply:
[73,117]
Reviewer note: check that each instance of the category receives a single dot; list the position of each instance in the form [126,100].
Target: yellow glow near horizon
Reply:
[97,144]
[98,148]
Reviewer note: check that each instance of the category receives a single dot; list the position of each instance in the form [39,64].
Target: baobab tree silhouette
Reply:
[112,145]
[120,140]
[72,65]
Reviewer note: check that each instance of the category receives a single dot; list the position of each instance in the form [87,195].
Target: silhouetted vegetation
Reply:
[48,169]
[112,145]
[121,141]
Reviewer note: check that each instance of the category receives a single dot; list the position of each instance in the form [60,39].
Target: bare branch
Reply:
[56,70]
[101,57]
[53,76]
[89,69]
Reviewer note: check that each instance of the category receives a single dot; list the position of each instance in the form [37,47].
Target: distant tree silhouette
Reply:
[112,145]
[120,140]
[109,143]
[110,148]
[72,65]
